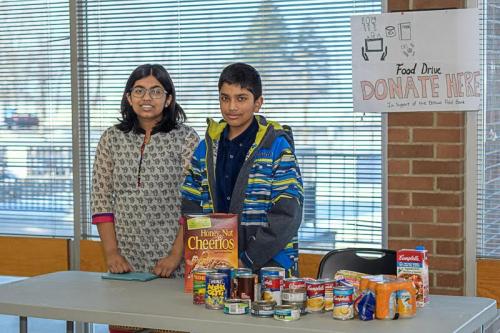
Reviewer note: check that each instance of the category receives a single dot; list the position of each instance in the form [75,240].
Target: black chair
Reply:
[369,261]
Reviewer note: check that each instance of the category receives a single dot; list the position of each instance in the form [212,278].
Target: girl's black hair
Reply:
[173,114]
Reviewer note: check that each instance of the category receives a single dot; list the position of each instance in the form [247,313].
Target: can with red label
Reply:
[294,283]
[271,289]
[315,296]
[199,284]
[329,284]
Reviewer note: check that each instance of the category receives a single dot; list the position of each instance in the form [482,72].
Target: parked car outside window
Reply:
[13,118]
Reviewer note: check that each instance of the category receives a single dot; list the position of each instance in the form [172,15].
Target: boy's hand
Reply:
[117,263]
[165,266]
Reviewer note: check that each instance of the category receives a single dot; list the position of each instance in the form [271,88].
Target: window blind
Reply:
[488,227]
[303,52]
[36,195]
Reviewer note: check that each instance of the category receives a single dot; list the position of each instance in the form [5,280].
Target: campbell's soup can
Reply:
[215,292]
[293,283]
[343,303]
[294,295]
[199,284]
[271,288]
[329,284]
[280,271]
[315,296]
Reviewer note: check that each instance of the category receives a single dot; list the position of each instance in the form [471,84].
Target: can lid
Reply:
[286,307]
[236,301]
[265,302]
[326,280]
[223,267]
[204,270]
[245,275]
[216,275]
[294,279]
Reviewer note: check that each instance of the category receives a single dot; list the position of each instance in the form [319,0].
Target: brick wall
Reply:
[426,191]
[426,182]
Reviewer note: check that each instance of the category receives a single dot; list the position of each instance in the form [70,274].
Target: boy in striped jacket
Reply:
[246,165]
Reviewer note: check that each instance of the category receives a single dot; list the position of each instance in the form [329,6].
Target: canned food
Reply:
[286,312]
[329,284]
[245,286]
[199,284]
[302,306]
[272,288]
[405,307]
[236,273]
[315,296]
[294,283]
[242,270]
[229,280]
[215,291]
[271,271]
[343,308]
[263,308]
[236,306]
[294,295]
[225,269]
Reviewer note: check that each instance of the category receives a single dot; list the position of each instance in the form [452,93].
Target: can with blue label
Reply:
[343,303]
[278,271]
[215,292]
[229,271]
[286,312]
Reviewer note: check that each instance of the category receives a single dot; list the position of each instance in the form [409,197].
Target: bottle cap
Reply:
[420,248]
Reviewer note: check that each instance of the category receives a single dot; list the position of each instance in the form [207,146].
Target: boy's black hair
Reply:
[244,75]
[173,114]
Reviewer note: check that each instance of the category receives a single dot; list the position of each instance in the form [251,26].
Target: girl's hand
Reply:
[165,266]
[117,263]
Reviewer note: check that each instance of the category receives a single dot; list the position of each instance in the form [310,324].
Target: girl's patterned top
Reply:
[145,212]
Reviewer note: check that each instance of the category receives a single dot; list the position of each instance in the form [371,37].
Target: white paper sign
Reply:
[418,61]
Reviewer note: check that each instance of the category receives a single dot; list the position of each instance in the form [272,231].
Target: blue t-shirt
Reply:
[230,158]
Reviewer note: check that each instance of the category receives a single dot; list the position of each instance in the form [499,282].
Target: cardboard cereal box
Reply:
[209,241]
[413,265]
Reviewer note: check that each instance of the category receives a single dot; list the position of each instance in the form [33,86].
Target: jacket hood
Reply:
[268,131]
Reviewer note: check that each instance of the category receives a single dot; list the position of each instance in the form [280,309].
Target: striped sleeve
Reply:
[287,180]
[191,188]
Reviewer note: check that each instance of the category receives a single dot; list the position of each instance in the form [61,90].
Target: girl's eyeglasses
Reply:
[156,92]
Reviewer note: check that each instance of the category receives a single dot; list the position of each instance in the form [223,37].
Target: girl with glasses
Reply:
[139,166]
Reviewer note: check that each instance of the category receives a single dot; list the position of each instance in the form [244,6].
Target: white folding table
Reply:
[162,304]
